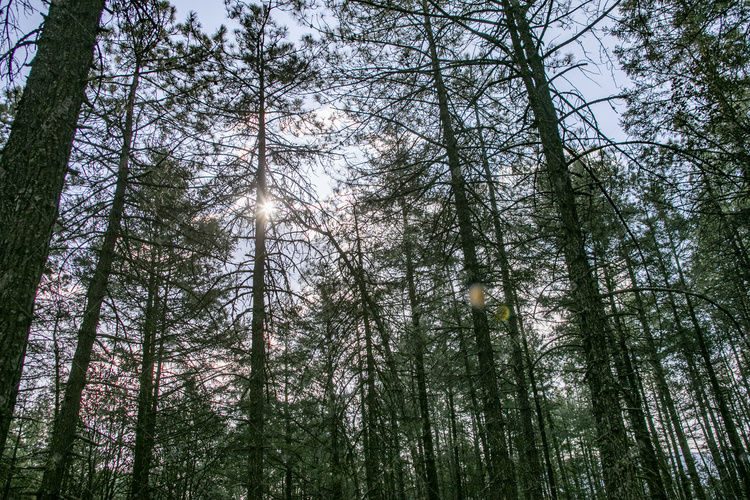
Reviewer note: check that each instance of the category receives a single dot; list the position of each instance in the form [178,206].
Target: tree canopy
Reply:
[377,249]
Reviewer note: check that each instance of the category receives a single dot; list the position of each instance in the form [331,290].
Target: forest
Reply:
[375,249]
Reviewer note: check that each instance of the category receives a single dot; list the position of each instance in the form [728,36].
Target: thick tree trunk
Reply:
[33,165]
[586,303]
[502,470]
[63,433]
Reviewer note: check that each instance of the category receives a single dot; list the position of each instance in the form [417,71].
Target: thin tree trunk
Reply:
[695,379]
[373,448]
[63,433]
[335,467]
[372,439]
[531,476]
[737,449]
[649,462]
[662,386]
[256,401]
[33,165]
[479,434]
[541,423]
[418,346]
[145,427]
[457,476]
[502,470]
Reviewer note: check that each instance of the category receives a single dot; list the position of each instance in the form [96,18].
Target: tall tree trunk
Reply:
[371,435]
[145,427]
[502,469]
[687,347]
[373,440]
[540,416]
[418,346]
[33,165]
[480,436]
[586,303]
[256,401]
[662,386]
[650,464]
[737,449]
[531,476]
[335,466]
[63,432]
[457,476]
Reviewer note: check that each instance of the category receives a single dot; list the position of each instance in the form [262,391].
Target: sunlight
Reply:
[268,208]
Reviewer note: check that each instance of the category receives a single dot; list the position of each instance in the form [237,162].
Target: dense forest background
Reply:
[404,253]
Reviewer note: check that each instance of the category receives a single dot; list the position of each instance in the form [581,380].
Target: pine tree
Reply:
[33,166]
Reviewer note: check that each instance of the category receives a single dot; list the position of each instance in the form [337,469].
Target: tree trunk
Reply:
[33,165]
[256,401]
[145,427]
[738,451]
[586,303]
[531,476]
[662,386]
[418,341]
[540,417]
[457,476]
[649,462]
[335,467]
[63,432]
[371,435]
[502,470]
[373,440]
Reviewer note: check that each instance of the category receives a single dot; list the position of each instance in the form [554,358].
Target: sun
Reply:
[268,208]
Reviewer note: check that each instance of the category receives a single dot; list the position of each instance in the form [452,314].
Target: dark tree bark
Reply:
[145,426]
[612,442]
[531,473]
[63,433]
[256,401]
[502,470]
[32,174]
[737,449]
[457,476]
[373,441]
[663,389]
[629,386]
[418,341]
[333,420]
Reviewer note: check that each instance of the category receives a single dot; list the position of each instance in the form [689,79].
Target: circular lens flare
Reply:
[503,312]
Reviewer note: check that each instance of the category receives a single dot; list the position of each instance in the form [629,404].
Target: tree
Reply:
[269,70]
[144,29]
[33,166]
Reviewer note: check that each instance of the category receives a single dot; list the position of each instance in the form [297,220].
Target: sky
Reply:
[597,81]
[211,13]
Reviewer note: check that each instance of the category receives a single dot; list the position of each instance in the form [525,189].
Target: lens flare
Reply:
[477,294]
[502,313]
